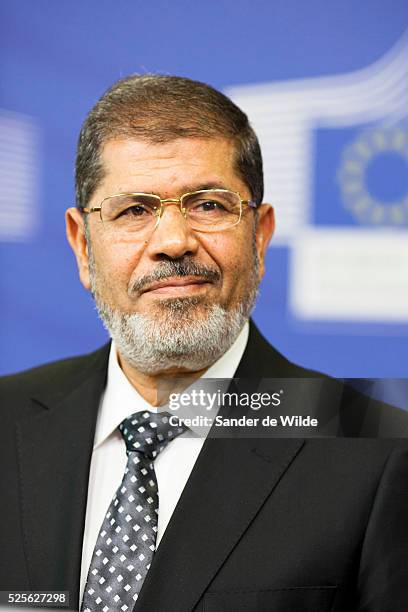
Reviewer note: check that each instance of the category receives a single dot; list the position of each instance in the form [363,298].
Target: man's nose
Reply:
[172,236]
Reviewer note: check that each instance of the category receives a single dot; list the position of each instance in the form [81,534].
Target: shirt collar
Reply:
[121,399]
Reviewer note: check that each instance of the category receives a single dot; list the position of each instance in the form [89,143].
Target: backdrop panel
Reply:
[325,85]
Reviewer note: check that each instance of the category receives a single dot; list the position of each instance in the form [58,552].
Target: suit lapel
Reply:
[261,360]
[54,448]
[230,482]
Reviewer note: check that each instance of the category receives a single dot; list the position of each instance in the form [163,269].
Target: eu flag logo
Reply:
[361,176]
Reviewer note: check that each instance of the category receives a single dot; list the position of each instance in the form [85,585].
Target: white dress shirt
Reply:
[173,466]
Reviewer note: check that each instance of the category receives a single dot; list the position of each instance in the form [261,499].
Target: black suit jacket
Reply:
[272,525]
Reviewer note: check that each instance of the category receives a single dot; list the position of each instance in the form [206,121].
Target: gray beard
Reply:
[156,344]
[182,333]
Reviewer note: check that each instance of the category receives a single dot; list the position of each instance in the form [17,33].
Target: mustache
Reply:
[175,268]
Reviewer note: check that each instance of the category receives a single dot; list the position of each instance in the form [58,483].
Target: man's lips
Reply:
[185,284]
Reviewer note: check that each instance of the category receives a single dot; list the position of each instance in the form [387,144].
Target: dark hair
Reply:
[158,109]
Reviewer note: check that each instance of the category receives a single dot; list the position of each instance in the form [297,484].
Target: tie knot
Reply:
[149,432]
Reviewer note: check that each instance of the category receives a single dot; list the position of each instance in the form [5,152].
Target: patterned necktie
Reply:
[127,539]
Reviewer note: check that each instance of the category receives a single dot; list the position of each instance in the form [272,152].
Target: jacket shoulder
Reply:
[356,411]
[261,359]
[56,378]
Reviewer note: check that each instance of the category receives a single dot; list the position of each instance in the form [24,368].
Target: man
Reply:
[170,235]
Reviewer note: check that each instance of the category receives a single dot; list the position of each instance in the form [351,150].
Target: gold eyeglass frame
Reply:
[166,201]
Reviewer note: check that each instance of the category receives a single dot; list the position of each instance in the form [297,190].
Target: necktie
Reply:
[127,540]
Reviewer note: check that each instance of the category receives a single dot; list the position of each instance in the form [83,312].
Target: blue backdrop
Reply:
[326,87]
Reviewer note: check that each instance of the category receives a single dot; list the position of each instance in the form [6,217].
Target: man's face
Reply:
[173,275]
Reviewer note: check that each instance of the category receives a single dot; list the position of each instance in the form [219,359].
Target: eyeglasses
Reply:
[207,210]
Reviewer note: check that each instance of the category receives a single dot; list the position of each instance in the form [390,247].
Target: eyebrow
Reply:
[186,188]
[202,186]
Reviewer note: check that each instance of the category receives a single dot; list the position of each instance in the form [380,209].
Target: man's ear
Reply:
[264,232]
[75,229]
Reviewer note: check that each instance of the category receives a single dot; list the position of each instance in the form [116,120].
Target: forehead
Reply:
[177,166]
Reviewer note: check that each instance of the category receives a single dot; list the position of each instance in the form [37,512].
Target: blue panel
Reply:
[58,58]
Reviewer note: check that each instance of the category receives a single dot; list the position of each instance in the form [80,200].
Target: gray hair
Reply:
[159,109]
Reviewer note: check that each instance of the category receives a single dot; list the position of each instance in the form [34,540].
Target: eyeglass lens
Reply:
[205,210]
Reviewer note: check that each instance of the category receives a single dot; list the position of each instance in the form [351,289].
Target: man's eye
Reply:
[137,210]
[209,206]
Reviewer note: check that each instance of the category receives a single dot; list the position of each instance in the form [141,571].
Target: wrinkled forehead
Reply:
[178,166]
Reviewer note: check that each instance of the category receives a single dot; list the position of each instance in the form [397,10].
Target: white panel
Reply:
[19,177]
[350,275]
